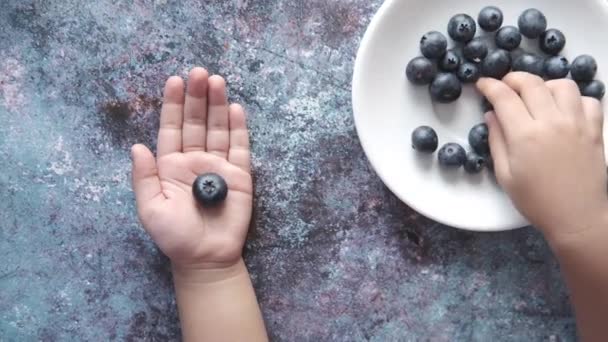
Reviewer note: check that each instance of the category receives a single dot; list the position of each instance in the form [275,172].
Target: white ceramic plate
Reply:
[387,107]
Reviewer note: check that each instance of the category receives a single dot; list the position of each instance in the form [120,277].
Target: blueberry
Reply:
[486,106]
[531,63]
[497,64]
[468,72]
[433,45]
[478,138]
[552,41]
[445,88]
[474,162]
[462,28]
[452,155]
[532,23]
[594,89]
[556,67]
[421,71]
[475,50]
[490,18]
[210,189]
[508,38]
[450,61]
[424,139]
[583,68]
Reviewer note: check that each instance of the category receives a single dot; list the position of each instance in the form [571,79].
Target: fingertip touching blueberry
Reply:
[595,89]
[583,68]
[452,156]
[421,71]
[445,88]
[508,38]
[462,28]
[556,67]
[210,189]
[532,23]
[424,139]
[497,64]
[468,72]
[475,50]
[449,62]
[552,41]
[490,18]
[474,162]
[433,45]
[479,138]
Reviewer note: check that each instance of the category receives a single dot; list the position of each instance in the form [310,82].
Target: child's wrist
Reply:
[208,273]
[590,230]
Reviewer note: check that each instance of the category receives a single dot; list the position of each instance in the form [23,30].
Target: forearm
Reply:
[218,305]
[583,258]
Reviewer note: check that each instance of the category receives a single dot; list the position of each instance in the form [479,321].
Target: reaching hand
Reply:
[546,141]
[198,133]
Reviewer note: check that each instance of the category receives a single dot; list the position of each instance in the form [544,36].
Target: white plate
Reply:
[387,107]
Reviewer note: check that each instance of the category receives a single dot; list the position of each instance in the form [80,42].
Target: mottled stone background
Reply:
[333,254]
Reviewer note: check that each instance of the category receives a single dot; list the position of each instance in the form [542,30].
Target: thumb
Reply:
[145,181]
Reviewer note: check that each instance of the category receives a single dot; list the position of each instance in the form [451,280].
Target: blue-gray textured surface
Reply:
[333,254]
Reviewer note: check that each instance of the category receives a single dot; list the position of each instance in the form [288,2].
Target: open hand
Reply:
[198,133]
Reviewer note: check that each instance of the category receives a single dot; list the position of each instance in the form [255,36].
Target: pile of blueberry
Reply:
[445,70]
[452,155]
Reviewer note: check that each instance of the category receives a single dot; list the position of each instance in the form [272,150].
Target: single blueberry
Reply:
[475,50]
[452,155]
[552,41]
[450,61]
[433,45]
[421,71]
[478,138]
[595,89]
[490,18]
[556,67]
[531,63]
[209,189]
[424,139]
[508,38]
[532,23]
[583,68]
[497,64]
[474,162]
[468,72]
[462,28]
[445,88]
[486,106]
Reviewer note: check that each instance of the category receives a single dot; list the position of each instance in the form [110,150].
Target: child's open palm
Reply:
[198,133]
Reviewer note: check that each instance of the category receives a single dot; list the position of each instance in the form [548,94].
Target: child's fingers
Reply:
[535,94]
[239,153]
[194,130]
[498,146]
[594,115]
[566,95]
[510,110]
[170,131]
[146,183]
[218,136]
